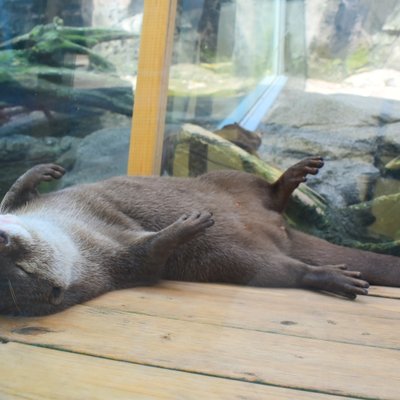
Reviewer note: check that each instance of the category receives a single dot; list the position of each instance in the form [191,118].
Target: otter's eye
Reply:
[4,238]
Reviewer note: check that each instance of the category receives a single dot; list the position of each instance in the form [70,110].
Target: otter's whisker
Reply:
[13,295]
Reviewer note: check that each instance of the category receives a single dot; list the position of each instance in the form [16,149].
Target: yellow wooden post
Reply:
[152,87]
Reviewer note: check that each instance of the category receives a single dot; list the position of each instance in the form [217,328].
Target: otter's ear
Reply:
[56,296]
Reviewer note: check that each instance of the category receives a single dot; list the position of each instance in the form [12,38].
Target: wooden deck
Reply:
[199,341]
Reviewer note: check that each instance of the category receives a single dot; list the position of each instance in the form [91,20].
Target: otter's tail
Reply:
[377,269]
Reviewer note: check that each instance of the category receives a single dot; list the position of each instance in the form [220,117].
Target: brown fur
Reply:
[136,230]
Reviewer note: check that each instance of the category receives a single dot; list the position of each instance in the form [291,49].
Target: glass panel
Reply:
[341,101]
[67,69]
[222,51]
[226,54]
[347,109]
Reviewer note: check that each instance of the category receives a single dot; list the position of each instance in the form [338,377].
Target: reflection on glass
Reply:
[226,54]
[343,104]
[223,49]
[66,75]
[348,111]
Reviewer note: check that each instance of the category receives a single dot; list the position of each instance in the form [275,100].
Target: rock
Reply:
[318,111]
[347,171]
[392,54]
[320,28]
[392,23]
[37,124]
[15,20]
[387,212]
[344,36]
[389,147]
[357,136]
[378,78]
[345,181]
[124,15]
[133,24]
[100,155]
[20,148]
[391,139]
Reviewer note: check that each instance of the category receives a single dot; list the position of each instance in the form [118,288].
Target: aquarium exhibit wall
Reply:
[339,64]
[254,85]
[67,77]
[222,51]
[227,70]
[347,110]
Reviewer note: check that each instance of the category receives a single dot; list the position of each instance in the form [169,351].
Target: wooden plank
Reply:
[387,292]
[178,292]
[279,360]
[373,321]
[29,372]
[151,89]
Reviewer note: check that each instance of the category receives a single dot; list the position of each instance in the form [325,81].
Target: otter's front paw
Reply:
[45,172]
[193,224]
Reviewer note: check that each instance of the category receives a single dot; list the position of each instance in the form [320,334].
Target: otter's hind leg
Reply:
[377,269]
[286,272]
[282,189]
[25,187]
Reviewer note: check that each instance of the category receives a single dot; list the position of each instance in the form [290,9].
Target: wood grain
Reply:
[386,292]
[152,87]
[34,373]
[368,321]
[218,350]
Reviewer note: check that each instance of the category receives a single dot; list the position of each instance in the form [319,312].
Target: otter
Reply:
[65,247]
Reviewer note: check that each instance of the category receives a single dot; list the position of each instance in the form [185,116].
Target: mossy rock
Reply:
[358,59]
[386,211]
[35,71]
[189,80]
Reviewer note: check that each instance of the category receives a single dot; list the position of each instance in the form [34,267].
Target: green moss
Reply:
[358,59]
[336,69]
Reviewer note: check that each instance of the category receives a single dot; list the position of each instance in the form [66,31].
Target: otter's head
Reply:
[31,281]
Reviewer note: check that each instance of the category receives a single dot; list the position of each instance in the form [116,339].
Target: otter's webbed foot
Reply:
[25,187]
[291,179]
[336,279]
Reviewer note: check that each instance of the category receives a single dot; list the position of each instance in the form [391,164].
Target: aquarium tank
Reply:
[254,85]
[67,81]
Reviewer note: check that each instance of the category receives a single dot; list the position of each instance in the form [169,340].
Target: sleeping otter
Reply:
[69,246]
